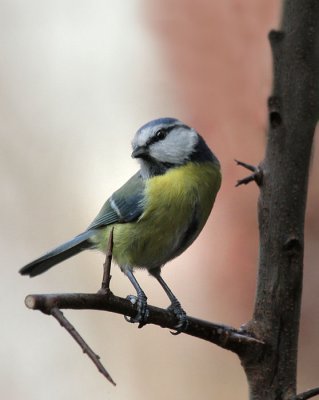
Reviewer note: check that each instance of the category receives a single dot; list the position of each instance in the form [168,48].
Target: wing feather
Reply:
[125,205]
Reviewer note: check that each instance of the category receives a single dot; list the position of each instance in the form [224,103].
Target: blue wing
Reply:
[125,205]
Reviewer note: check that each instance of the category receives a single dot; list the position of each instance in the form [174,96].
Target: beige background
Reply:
[77,79]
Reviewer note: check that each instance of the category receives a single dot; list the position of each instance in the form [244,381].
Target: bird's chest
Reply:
[177,206]
[171,202]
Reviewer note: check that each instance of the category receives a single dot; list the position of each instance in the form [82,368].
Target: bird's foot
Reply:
[180,314]
[142,310]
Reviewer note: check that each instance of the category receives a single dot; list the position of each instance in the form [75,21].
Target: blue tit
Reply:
[157,213]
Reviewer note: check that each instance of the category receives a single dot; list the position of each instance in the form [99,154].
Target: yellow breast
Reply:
[173,202]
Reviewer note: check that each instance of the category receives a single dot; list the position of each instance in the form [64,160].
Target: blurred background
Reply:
[77,79]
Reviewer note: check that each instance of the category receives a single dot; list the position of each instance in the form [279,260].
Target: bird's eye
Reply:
[161,134]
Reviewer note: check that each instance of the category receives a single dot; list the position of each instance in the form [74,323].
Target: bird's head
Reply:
[167,143]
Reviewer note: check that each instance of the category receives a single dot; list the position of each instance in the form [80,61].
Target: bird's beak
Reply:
[139,152]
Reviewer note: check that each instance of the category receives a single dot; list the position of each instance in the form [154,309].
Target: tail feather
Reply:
[57,255]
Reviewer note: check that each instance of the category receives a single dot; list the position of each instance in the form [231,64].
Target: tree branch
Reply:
[257,174]
[58,315]
[224,336]
[229,338]
[307,395]
[105,286]
[293,113]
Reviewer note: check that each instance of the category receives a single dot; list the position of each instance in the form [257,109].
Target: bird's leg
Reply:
[141,299]
[175,306]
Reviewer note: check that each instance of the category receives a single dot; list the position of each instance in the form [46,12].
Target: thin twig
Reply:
[227,337]
[58,315]
[105,286]
[307,395]
[256,176]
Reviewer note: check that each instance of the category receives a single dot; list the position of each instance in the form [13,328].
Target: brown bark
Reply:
[293,112]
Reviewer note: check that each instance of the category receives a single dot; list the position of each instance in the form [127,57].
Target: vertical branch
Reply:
[105,286]
[293,111]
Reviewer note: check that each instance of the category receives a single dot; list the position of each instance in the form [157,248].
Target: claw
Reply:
[181,315]
[142,310]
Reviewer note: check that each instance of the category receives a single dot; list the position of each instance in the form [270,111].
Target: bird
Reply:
[157,214]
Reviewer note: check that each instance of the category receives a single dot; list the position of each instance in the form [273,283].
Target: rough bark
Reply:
[293,113]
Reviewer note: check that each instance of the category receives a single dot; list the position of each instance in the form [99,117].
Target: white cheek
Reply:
[168,153]
[159,153]
[175,149]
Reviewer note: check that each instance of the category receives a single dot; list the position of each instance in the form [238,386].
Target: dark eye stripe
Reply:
[158,136]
